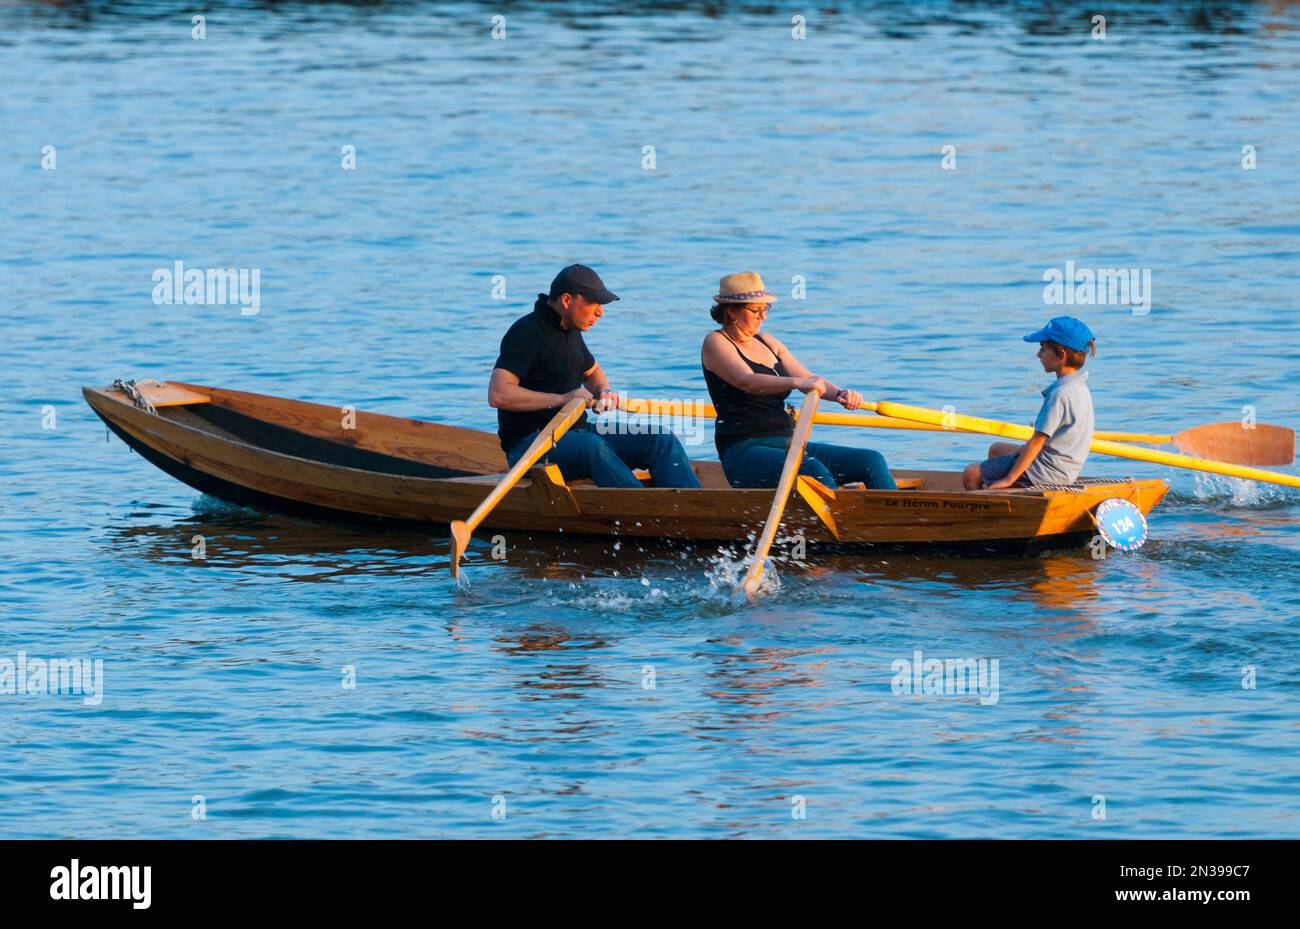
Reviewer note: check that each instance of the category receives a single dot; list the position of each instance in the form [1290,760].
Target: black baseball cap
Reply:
[581,280]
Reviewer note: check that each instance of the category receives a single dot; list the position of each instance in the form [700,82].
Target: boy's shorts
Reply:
[995,469]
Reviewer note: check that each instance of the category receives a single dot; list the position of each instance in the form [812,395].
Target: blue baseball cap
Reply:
[1064,330]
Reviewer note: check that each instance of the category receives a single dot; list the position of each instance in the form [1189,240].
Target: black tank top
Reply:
[743,415]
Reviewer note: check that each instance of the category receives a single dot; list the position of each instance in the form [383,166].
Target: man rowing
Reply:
[544,363]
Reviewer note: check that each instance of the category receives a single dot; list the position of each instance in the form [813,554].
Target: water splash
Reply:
[215,508]
[725,573]
[1202,487]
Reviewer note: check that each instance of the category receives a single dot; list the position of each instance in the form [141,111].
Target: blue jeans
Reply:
[609,459]
[995,469]
[758,463]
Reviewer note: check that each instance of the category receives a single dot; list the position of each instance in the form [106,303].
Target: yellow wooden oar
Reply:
[1231,442]
[922,414]
[793,458]
[691,408]
[545,441]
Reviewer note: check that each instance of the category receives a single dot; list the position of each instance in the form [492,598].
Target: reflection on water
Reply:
[554,678]
[1069,590]
[318,551]
[1068,583]
[758,678]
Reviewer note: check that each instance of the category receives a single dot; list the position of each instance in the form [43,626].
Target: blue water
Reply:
[595,690]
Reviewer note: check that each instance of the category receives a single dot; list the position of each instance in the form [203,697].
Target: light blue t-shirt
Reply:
[1066,418]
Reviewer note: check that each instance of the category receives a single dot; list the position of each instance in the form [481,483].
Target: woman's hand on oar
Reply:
[793,458]
[545,441]
[1100,446]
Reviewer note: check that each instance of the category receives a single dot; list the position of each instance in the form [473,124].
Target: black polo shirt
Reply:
[545,358]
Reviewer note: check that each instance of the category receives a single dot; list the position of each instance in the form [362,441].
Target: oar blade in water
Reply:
[460,533]
[793,458]
[544,442]
[1235,443]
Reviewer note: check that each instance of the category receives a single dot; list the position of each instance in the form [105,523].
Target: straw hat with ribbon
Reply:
[745,287]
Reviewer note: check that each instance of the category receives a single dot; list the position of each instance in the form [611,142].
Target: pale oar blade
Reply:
[1234,443]
[793,458]
[460,534]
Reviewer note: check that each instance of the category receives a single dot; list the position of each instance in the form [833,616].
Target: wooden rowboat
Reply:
[321,461]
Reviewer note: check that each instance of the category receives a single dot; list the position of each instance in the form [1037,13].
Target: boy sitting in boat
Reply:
[1063,430]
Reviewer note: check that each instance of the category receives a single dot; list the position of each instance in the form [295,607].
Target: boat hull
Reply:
[310,459]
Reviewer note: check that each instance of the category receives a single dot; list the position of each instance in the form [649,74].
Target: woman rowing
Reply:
[749,375]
